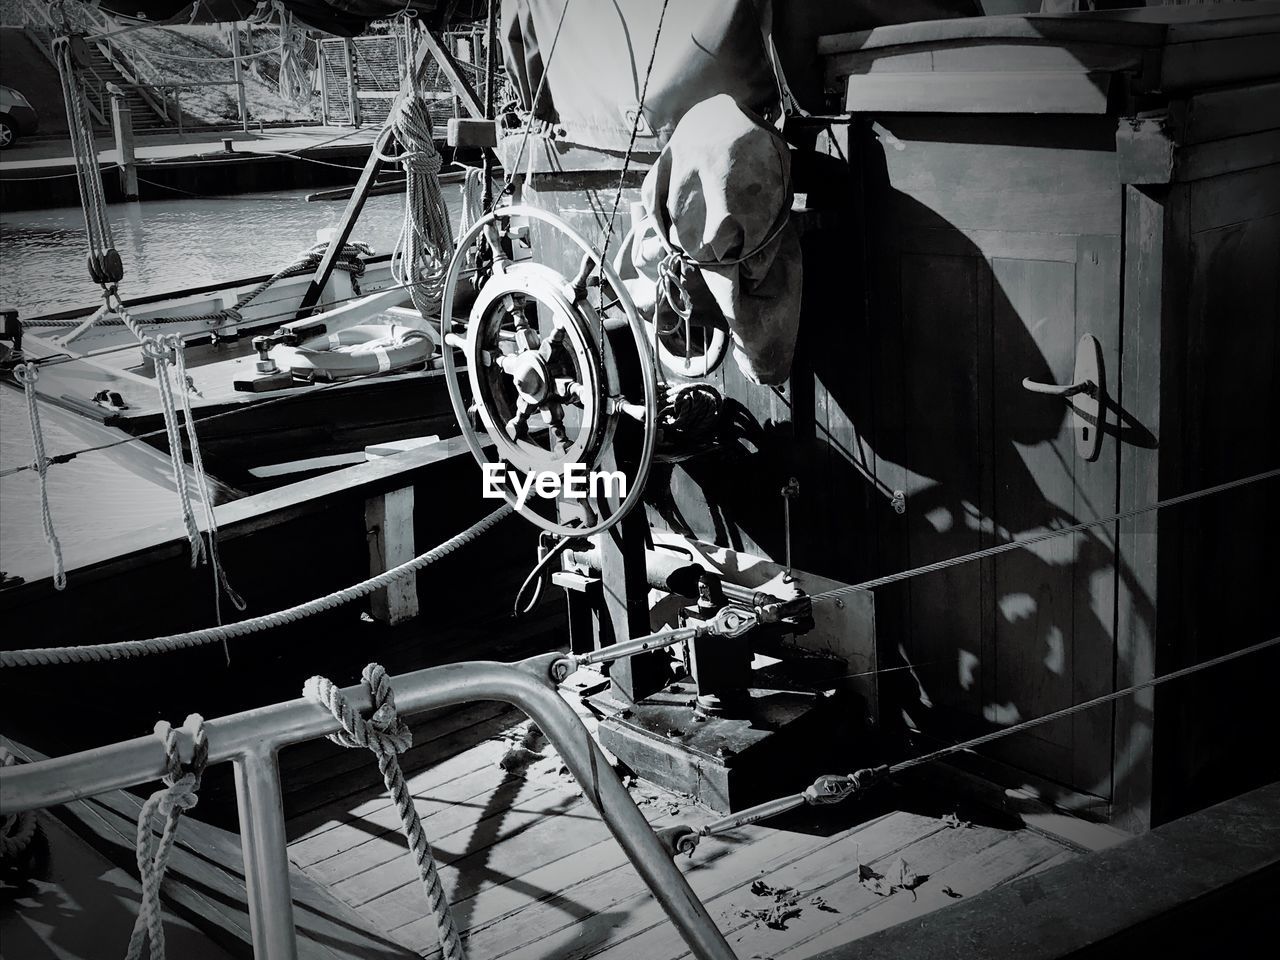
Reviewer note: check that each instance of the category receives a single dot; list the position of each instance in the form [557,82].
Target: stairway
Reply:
[102,71]
[145,116]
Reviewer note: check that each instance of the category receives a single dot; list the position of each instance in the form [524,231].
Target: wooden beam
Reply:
[324,270]
[432,46]
[389,528]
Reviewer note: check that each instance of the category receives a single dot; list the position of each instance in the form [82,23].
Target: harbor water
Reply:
[166,245]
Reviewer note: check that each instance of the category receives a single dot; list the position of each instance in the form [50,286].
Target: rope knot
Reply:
[387,736]
[158,349]
[383,732]
[672,272]
[26,373]
[165,806]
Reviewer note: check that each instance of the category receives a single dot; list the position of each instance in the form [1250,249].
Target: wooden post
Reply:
[353,103]
[324,82]
[389,527]
[122,121]
[239,76]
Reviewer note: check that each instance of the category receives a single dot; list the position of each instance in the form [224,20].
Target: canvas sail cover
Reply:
[591,85]
[720,193]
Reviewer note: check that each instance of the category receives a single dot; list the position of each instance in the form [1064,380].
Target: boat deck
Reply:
[532,871]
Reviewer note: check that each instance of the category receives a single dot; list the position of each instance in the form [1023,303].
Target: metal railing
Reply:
[251,741]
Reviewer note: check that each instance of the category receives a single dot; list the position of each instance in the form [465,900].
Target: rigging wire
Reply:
[1048,535]
[1079,707]
[635,131]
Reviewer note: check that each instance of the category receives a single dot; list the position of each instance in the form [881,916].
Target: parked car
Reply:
[17,117]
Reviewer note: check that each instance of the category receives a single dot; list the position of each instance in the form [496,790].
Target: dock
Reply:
[41,174]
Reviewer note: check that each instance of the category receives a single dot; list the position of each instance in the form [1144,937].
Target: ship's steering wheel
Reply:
[537,355]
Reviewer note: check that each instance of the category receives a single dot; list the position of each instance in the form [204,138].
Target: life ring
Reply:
[356,351]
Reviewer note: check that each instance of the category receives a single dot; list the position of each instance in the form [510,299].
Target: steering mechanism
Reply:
[542,378]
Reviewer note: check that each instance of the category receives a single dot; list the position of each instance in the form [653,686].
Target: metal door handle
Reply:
[1088,413]
[1060,389]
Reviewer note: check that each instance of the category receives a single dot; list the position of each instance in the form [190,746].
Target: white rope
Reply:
[166,804]
[85,155]
[425,244]
[89,653]
[387,736]
[221,583]
[472,199]
[27,375]
[166,352]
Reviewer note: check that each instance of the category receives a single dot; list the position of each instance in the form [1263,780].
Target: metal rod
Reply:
[629,648]
[266,856]
[251,739]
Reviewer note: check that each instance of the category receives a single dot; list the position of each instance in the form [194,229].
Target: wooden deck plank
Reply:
[484,916]
[377,817]
[495,849]
[1009,857]
[512,796]
[624,908]
[819,877]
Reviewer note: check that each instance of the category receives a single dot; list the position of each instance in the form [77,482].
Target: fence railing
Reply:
[251,740]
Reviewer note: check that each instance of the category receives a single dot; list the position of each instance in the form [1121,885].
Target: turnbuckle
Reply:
[827,789]
[729,622]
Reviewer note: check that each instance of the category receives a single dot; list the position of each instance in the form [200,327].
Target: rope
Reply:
[167,806]
[348,261]
[93,653]
[220,582]
[1050,535]
[1079,707]
[104,261]
[689,413]
[27,375]
[473,187]
[16,829]
[387,736]
[106,269]
[425,245]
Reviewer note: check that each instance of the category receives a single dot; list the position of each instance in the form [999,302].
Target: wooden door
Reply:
[997,248]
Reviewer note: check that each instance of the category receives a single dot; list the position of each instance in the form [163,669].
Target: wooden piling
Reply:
[241,104]
[122,123]
[389,527]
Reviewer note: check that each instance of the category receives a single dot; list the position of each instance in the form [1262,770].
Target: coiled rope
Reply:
[689,413]
[27,375]
[92,653]
[425,244]
[16,829]
[387,736]
[167,806]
